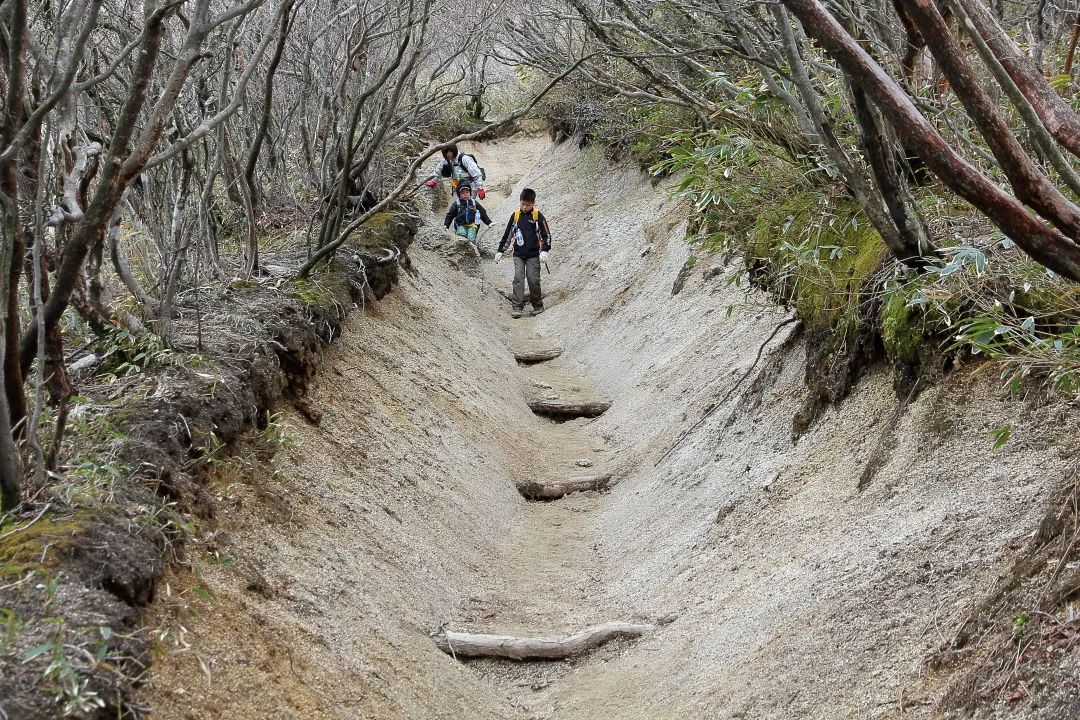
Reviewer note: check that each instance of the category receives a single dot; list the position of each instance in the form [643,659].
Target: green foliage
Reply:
[803,241]
[1022,625]
[61,675]
[11,626]
[614,123]
[901,325]
[1001,436]
[278,432]
[126,353]
[819,252]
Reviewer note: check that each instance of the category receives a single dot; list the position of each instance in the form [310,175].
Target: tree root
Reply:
[558,488]
[460,644]
[532,357]
[564,410]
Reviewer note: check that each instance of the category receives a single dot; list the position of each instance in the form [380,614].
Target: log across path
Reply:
[558,647]
[554,489]
[569,409]
[535,357]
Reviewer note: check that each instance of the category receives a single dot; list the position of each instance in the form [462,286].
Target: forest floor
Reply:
[779,585]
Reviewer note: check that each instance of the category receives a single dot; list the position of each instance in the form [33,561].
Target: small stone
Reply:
[584,463]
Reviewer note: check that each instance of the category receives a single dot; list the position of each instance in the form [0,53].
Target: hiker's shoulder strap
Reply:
[517,215]
[535,215]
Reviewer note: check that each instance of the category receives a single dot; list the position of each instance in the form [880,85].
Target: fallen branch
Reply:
[557,488]
[564,410]
[460,644]
[531,357]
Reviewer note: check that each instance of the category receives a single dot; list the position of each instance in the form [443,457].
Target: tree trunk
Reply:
[1070,56]
[1030,185]
[1055,114]
[558,488]
[532,357]
[567,410]
[117,172]
[881,156]
[1045,245]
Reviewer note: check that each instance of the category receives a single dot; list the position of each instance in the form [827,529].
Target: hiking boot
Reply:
[516,313]
[538,310]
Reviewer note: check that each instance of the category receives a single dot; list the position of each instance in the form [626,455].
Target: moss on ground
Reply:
[902,328]
[38,546]
[818,254]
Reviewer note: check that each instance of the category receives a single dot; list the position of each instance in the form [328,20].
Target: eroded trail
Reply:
[778,583]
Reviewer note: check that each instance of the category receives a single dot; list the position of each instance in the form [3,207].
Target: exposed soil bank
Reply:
[779,588]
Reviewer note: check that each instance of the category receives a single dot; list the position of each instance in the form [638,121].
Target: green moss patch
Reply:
[818,252]
[39,546]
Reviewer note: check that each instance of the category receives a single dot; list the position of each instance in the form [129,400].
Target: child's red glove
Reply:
[480,193]
[432,183]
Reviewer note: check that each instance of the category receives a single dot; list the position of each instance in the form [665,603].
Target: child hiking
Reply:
[459,168]
[528,236]
[466,215]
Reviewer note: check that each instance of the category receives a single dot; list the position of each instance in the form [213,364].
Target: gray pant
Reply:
[527,269]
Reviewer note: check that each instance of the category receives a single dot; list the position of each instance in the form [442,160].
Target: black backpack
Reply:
[468,213]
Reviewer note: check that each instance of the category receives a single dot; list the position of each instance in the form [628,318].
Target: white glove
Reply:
[543,256]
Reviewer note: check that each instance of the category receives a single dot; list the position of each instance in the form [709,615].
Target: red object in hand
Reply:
[432,183]
[480,193]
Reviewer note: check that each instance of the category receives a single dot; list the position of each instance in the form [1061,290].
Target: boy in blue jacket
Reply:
[466,214]
[528,236]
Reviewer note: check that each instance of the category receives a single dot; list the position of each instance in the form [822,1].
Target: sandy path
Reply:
[784,589]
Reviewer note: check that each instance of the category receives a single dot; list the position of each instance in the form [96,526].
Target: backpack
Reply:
[458,159]
[535,216]
[463,213]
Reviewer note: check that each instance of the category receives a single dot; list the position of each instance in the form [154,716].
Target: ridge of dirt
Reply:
[77,579]
[779,584]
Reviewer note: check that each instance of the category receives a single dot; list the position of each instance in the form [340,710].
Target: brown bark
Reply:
[1029,183]
[1044,244]
[10,126]
[1070,56]
[1060,119]
[905,245]
[894,190]
[10,262]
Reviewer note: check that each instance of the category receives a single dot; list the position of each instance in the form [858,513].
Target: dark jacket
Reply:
[536,236]
[472,213]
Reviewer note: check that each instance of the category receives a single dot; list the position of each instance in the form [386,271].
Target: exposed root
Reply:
[716,406]
[532,357]
[460,644]
[565,410]
[558,488]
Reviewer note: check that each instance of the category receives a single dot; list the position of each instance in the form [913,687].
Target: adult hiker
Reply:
[528,238]
[458,167]
[466,214]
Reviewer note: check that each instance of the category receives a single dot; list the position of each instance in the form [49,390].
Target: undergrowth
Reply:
[804,241]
